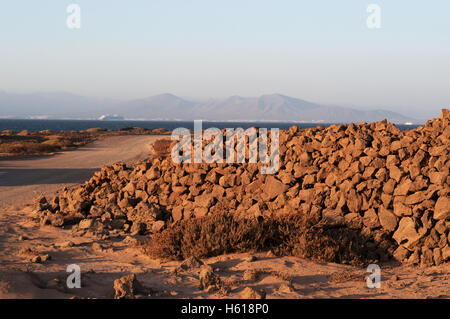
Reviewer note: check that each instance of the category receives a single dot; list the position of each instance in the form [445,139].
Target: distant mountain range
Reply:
[274,107]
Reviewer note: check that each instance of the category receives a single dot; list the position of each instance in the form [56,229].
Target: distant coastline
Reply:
[34,125]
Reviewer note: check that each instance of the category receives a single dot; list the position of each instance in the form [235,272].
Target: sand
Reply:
[103,261]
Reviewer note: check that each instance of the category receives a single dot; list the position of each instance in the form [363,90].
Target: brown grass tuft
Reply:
[343,276]
[288,235]
[162,147]
[26,148]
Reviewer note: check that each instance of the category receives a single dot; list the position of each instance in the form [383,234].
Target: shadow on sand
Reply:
[23,177]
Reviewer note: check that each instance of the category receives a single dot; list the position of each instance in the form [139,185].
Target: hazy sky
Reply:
[320,51]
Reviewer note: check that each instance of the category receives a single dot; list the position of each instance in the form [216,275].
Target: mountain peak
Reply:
[275,95]
[164,96]
[168,95]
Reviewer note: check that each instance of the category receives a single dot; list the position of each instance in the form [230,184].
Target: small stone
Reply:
[402,210]
[208,279]
[127,287]
[251,258]
[86,223]
[284,288]
[406,232]
[371,219]
[437,256]
[401,253]
[137,229]
[66,244]
[415,198]
[446,253]
[97,247]
[130,240]
[403,188]
[250,293]
[395,173]
[250,275]
[157,226]
[442,208]
[414,258]
[387,219]
[191,263]
[46,257]
[36,260]
[272,188]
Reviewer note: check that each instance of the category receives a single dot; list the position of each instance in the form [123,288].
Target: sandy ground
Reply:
[103,261]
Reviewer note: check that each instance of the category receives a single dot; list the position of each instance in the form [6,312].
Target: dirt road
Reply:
[22,180]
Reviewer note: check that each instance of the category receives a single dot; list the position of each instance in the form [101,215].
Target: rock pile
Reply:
[390,185]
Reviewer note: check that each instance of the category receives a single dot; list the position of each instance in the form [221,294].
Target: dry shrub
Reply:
[94,130]
[47,141]
[343,276]
[334,244]
[38,144]
[26,148]
[291,235]
[162,147]
[58,143]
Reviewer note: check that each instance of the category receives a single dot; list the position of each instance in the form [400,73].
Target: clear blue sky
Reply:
[316,50]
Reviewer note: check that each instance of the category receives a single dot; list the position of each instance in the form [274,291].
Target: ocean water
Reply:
[77,125]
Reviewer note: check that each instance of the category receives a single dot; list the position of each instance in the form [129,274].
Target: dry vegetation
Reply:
[47,141]
[296,235]
[162,147]
[44,142]
[22,148]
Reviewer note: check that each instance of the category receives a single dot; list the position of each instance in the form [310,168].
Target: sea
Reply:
[34,125]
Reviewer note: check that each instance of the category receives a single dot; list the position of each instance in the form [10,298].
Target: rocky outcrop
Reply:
[392,186]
